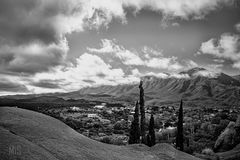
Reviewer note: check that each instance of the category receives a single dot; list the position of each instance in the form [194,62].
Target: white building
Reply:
[99,106]
[75,108]
[92,115]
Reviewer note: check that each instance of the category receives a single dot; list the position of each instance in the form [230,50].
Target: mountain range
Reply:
[195,86]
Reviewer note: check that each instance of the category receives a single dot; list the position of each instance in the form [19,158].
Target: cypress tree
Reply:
[151,134]
[134,136]
[179,140]
[148,140]
[142,110]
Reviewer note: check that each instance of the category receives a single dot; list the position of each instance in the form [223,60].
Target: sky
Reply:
[65,45]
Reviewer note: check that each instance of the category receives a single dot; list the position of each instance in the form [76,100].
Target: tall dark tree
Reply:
[142,110]
[179,140]
[134,136]
[151,133]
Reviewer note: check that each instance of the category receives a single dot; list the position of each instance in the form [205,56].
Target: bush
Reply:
[188,150]
[216,120]
[120,125]
[118,132]
[219,128]
[106,139]
[222,115]
[208,151]
[118,141]
[112,140]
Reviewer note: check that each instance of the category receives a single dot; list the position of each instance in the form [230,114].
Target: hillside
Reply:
[30,135]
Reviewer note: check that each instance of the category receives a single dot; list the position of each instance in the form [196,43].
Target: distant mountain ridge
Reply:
[200,85]
[196,85]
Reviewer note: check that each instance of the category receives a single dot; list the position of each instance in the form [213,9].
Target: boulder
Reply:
[226,140]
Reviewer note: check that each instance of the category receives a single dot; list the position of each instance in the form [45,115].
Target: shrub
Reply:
[216,120]
[118,132]
[106,139]
[112,140]
[208,151]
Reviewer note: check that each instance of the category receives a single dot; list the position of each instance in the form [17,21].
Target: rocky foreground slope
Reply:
[30,135]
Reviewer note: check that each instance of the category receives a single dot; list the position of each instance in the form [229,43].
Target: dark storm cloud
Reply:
[51,84]
[32,34]
[16,26]
[8,86]
[32,58]
[28,33]
[28,20]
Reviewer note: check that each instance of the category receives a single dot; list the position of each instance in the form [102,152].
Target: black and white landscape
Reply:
[120,79]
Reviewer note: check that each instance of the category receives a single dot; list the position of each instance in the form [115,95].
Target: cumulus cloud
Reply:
[30,22]
[214,67]
[180,76]
[206,73]
[226,47]
[101,13]
[49,21]
[154,59]
[172,8]
[158,75]
[169,63]
[109,46]
[135,72]
[90,65]
[129,58]
[106,46]
[190,63]
[161,75]
[167,75]
[89,70]
[151,52]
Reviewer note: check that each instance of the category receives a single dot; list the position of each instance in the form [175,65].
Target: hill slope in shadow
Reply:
[30,135]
